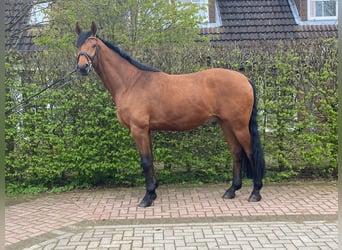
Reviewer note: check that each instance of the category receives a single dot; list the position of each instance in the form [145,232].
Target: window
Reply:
[209,11]
[204,8]
[322,9]
[38,14]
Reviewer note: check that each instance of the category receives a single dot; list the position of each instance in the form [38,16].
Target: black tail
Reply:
[257,152]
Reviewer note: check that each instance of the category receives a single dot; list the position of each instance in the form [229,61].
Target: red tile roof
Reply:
[18,32]
[263,20]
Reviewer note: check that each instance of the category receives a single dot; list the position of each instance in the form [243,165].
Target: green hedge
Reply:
[70,137]
[297,84]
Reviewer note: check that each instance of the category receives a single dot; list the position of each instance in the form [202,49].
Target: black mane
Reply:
[124,55]
[83,36]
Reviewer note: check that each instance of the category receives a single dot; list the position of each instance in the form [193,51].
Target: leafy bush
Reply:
[296,83]
[70,136]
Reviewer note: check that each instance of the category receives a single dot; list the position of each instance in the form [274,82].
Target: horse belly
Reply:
[180,125]
[180,118]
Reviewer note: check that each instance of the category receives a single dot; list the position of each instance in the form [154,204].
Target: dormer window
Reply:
[209,11]
[204,12]
[322,9]
[38,15]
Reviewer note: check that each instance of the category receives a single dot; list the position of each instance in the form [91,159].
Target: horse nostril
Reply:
[84,69]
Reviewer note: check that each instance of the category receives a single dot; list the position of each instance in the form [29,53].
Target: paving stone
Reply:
[303,216]
[303,241]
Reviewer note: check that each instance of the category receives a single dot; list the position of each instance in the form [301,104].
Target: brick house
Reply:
[22,18]
[271,19]
[228,20]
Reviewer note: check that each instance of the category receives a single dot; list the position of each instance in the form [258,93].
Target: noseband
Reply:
[90,59]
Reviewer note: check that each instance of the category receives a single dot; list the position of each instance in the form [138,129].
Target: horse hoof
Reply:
[145,203]
[254,198]
[148,200]
[229,195]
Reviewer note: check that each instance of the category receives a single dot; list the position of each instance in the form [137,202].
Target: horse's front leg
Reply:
[150,181]
[237,177]
[143,141]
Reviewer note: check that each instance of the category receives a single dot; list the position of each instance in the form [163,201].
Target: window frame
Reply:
[311,10]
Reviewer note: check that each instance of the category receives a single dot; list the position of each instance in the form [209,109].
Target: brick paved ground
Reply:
[290,216]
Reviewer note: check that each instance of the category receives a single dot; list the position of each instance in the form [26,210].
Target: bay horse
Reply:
[148,99]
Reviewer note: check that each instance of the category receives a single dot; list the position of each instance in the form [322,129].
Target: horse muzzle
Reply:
[84,69]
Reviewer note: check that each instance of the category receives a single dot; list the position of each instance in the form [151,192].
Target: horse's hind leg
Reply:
[244,138]
[143,142]
[239,140]
[235,149]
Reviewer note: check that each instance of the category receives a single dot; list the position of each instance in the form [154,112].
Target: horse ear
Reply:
[78,28]
[93,28]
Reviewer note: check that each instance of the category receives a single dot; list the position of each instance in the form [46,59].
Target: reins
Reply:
[31,98]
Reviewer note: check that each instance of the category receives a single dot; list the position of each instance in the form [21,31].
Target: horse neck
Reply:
[116,72]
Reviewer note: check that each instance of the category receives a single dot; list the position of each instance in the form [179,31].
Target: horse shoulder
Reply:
[132,107]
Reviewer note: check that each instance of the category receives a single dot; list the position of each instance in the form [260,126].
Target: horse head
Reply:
[87,48]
